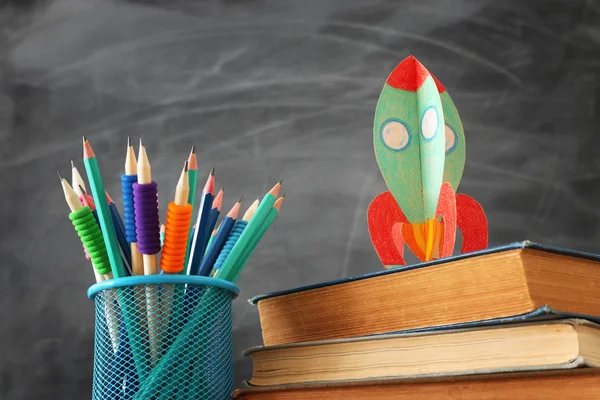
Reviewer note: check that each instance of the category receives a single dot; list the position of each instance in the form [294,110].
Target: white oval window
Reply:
[450,139]
[394,134]
[429,123]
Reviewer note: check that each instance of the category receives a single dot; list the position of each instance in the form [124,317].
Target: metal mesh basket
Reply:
[163,337]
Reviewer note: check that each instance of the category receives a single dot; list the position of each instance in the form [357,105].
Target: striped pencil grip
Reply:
[91,237]
[147,222]
[235,234]
[127,182]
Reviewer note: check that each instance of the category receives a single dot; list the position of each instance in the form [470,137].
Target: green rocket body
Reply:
[409,140]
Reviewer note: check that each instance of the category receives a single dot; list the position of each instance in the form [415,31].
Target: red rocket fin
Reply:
[472,222]
[385,219]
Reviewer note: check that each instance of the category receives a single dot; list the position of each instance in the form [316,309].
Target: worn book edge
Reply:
[508,247]
[429,332]
[531,374]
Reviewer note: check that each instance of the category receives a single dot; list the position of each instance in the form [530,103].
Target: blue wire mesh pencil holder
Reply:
[163,337]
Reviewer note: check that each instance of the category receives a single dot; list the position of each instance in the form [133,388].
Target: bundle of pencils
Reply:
[139,245]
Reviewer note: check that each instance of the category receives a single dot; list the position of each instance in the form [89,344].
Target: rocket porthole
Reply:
[395,135]
[451,139]
[429,123]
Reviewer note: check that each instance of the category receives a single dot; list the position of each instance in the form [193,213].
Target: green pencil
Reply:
[273,213]
[212,237]
[112,247]
[104,216]
[192,179]
[231,268]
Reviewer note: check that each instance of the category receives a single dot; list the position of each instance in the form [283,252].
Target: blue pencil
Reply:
[219,241]
[95,214]
[202,234]
[214,216]
[120,231]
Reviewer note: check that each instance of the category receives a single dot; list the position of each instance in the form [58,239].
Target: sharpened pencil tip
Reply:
[59,175]
[212,171]
[82,189]
[283,195]
[240,200]
[280,182]
[72,164]
[108,198]
[223,188]
[193,149]
[185,167]
[84,139]
[141,144]
[128,141]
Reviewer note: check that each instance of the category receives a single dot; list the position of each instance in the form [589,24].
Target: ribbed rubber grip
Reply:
[235,234]
[177,228]
[147,222]
[89,232]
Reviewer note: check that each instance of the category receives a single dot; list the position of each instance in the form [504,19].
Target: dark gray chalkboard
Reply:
[269,90]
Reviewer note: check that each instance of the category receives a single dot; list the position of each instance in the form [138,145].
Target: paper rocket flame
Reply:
[419,143]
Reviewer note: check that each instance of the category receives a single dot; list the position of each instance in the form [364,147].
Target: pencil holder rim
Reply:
[161,279]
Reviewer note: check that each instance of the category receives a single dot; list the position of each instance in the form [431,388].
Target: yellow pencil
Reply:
[77,180]
[137,261]
[113,324]
[179,217]
[144,176]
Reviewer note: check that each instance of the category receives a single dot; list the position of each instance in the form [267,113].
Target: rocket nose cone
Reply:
[409,75]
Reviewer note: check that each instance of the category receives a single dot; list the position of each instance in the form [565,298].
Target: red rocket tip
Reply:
[409,75]
[441,88]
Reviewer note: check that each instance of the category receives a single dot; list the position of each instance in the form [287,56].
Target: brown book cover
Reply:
[519,281]
[557,344]
[576,384]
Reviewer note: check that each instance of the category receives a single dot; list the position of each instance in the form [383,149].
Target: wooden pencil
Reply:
[192,176]
[144,176]
[120,231]
[104,216]
[267,222]
[232,239]
[179,216]
[212,237]
[201,234]
[77,180]
[144,173]
[75,204]
[137,261]
[193,181]
[220,237]
[214,214]
[230,270]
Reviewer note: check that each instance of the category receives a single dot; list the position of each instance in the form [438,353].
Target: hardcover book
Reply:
[516,282]
[564,385]
[560,344]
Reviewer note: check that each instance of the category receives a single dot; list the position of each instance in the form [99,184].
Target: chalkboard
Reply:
[271,90]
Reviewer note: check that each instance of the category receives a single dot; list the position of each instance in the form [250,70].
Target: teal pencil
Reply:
[193,180]
[106,223]
[273,213]
[112,248]
[230,270]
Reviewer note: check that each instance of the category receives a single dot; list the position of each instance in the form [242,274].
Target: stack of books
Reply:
[520,321]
